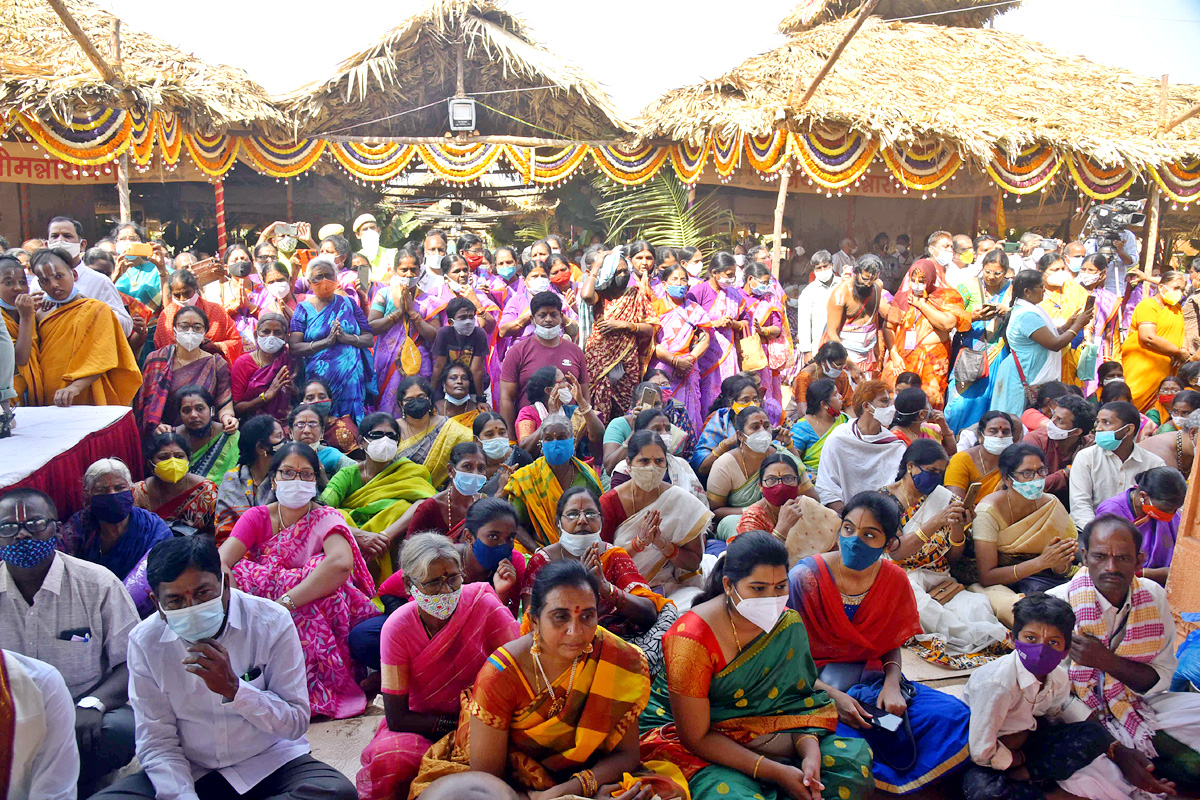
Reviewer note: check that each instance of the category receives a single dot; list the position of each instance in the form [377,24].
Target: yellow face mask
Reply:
[171,470]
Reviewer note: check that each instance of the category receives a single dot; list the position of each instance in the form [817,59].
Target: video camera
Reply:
[1106,221]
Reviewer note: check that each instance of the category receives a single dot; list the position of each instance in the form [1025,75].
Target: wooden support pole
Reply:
[89,49]
[124,208]
[1182,117]
[785,177]
[222,234]
[290,215]
[793,104]
[1150,245]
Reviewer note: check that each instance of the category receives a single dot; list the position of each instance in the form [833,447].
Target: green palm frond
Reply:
[535,230]
[658,211]
[397,231]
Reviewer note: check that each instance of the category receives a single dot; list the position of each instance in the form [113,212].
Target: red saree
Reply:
[605,352]
[221,330]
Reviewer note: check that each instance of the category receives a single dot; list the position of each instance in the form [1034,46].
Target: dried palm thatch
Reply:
[375,92]
[908,82]
[43,69]
[965,13]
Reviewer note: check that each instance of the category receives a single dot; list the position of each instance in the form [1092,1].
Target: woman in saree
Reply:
[534,490]
[739,710]
[859,610]
[330,335]
[554,713]
[1035,344]
[279,295]
[622,335]
[922,319]
[139,277]
[458,396]
[471,320]
[340,432]
[446,511]
[679,472]
[261,380]
[1152,506]
[686,430]
[682,338]
[981,464]
[830,362]
[1104,331]
[733,480]
[375,493]
[766,315]
[246,484]
[916,418]
[430,652]
[503,458]
[426,437]
[214,451]
[406,320]
[551,391]
[222,336]
[1024,538]
[960,630]
[660,525]
[300,554]
[801,523]
[178,365]
[306,422]
[823,404]
[1153,348]
[988,299]
[628,606]
[725,305]
[719,434]
[19,310]
[186,502]
[1063,299]
[238,292]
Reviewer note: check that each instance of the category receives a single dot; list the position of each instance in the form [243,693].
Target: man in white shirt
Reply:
[218,687]
[843,259]
[962,265]
[1108,467]
[1123,654]
[812,311]
[36,708]
[67,234]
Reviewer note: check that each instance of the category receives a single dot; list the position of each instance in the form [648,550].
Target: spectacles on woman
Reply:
[446,582]
[1030,474]
[590,515]
[289,474]
[775,480]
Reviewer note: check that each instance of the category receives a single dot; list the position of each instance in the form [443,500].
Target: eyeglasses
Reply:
[35,526]
[775,480]
[289,474]
[299,424]
[590,515]
[1030,474]
[446,582]
[183,327]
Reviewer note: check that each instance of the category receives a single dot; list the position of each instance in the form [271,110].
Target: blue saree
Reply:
[346,368]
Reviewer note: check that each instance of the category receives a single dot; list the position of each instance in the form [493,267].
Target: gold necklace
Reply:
[560,701]
[729,610]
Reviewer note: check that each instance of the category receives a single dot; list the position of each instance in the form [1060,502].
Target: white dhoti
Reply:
[966,623]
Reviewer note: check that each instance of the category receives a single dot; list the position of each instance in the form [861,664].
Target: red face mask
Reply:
[1166,400]
[561,278]
[780,493]
[473,259]
[1156,513]
[324,289]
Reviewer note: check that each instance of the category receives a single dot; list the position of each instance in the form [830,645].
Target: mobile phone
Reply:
[647,398]
[290,229]
[143,249]
[1091,303]
[882,719]
[972,494]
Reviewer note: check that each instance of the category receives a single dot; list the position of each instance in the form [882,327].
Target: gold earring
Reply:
[536,649]
[588,649]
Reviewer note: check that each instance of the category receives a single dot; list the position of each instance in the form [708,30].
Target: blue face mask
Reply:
[1108,440]
[27,553]
[857,554]
[201,621]
[506,272]
[926,482]
[678,292]
[558,451]
[1030,490]
[490,556]
[468,484]
[761,290]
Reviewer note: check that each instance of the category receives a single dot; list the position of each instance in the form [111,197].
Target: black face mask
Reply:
[417,407]
[620,282]
[240,269]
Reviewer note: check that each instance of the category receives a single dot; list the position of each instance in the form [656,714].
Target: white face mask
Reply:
[382,450]
[270,344]
[1035,256]
[1056,433]
[825,275]
[1075,263]
[537,285]
[438,606]
[370,241]
[564,396]
[296,493]
[831,371]
[456,401]
[738,259]
[496,448]
[548,333]
[188,301]
[577,543]
[918,289]
[943,257]
[433,262]
[1055,279]
[1089,279]
[759,441]
[201,621]
[724,282]
[763,612]
[996,444]
[1179,419]
[279,289]
[464,327]
[188,340]
[648,477]
[70,247]
[885,415]
[693,268]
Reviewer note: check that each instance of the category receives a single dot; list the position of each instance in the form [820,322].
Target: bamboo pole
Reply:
[785,177]
[795,105]
[1150,244]
[107,72]
[1182,117]
[517,141]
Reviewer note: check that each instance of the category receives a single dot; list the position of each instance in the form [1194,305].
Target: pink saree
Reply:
[432,673]
[681,326]
[278,563]
[720,360]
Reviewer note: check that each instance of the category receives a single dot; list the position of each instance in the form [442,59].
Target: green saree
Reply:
[216,457]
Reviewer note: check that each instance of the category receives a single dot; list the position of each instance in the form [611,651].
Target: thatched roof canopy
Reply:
[962,13]
[414,65]
[43,68]
[905,82]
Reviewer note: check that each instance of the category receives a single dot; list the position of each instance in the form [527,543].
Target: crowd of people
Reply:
[627,521]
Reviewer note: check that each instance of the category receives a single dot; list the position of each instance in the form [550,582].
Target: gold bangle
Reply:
[959,543]
[754,776]
[587,782]
[897,663]
[1016,577]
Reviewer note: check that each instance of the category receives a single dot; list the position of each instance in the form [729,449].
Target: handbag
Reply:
[969,366]
[1030,392]
[750,350]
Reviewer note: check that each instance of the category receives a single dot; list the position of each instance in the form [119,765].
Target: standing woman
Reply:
[1156,349]
[331,336]
[278,296]
[726,308]
[261,381]
[989,306]
[558,270]
[405,337]
[1064,298]
[683,337]
[140,277]
[239,291]
[503,285]
[222,336]
[624,329]
[823,404]
[767,316]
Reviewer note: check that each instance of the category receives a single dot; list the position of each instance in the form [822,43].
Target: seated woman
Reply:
[503,458]
[375,493]
[858,609]
[214,451]
[1153,508]
[719,435]
[221,338]
[660,525]
[1160,408]
[733,480]
[1182,403]
[980,464]
[431,651]
[301,554]
[1118,392]
[823,413]
[831,362]
[111,531]
[916,419]
[446,511]
[801,523]
[306,422]
[555,711]
[426,437]
[646,396]
[960,630]
[245,484]
[340,432]
[679,471]
[551,391]
[261,381]
[676,411]
[1024,538]
[740,707]
[170,368]
[186,502]
[534,490]
[628,607]
[458,395]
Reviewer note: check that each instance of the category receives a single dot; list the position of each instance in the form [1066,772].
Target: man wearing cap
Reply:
[382,259]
